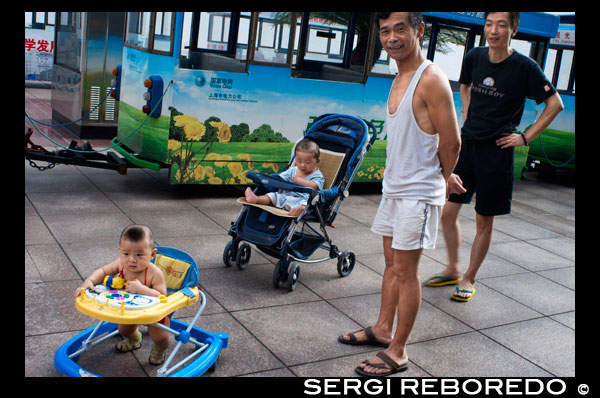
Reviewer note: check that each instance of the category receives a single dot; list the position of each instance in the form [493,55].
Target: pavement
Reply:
[520,323]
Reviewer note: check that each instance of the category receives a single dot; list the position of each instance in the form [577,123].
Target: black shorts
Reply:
[488,172]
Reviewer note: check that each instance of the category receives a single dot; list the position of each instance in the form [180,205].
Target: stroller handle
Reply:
[373,135]
[276,182]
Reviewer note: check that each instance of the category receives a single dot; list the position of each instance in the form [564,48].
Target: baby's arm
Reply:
[156,282]
[98,276]
[303,181]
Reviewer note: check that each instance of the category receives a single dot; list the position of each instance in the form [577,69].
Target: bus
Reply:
[555,147]
[221,93]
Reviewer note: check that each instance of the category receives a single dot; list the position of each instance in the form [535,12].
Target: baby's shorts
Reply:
[412,224]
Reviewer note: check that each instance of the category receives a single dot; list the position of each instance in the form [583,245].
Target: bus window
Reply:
[163,32]
[272,37]
[559,69]
[332,46]
[138,29]
[150,31]
[218,41]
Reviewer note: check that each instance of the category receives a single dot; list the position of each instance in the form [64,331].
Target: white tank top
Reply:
[412,167]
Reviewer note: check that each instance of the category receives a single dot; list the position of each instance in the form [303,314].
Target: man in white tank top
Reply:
[422,149]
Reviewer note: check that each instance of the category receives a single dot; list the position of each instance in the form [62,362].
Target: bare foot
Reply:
[250,196]
[399,360]
[361,336]
[295,211]
[446,277]
[464,285]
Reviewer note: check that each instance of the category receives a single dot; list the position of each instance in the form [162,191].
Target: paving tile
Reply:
[36,231]
[72,203]
[492,265]
[344,367]
[168,224]
[471,355]
[544,342]
[151,201]
[245,354]
[529,256]
[101,359]
[564,247]
[358,239]
[50,308]
[522,229]
[562,276]
[51,263]
[323,279]
[534,291]
[300,333]
[55,182]
[486,309]
[87,227]
[141,183]
[251,288]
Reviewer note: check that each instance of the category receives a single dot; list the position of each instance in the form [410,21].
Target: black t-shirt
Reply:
[499,91]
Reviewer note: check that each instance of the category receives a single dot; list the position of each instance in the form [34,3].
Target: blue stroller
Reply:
[344,142]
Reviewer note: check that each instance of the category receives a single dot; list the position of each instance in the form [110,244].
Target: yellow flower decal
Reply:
[224,133]
[194,131]
[235,168]
[199,173]
[212,156]
[173,145]
[223,160]
[183,120]
[272,165]
[247,157]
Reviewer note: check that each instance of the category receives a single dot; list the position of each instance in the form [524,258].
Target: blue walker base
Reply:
[216,342]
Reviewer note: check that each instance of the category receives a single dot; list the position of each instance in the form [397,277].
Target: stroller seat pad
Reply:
[270,208]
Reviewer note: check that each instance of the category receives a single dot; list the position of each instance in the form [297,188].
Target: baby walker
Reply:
[112,305]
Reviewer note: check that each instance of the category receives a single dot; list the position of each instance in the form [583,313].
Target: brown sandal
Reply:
[371,340]
[389,364]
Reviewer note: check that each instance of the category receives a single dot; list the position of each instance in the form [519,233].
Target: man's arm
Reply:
[465,98]
[440,105]
[553,106]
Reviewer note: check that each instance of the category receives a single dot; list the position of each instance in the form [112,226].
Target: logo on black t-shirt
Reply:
[488,81]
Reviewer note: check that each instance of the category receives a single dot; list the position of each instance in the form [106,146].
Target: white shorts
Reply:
[413,224]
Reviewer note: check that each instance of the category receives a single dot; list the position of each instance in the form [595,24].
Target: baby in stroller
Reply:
[305,172]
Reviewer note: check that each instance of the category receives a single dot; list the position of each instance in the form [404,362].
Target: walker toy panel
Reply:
[116,298]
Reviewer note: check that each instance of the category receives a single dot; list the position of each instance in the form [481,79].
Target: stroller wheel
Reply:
[279,273]
[228,257]
[243,256]
[346,263]
[293,276]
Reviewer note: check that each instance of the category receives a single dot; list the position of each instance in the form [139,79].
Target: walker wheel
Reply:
[293,276]
[243,256]
[228,258]
[346,263]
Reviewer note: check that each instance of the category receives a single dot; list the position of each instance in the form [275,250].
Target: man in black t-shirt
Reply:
[495,82]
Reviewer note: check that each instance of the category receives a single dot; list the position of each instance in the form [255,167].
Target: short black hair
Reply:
[414,18]
[515,18]
[308,145]
[137,233]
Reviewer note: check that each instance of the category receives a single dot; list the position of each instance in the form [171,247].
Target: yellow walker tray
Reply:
[119,306]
